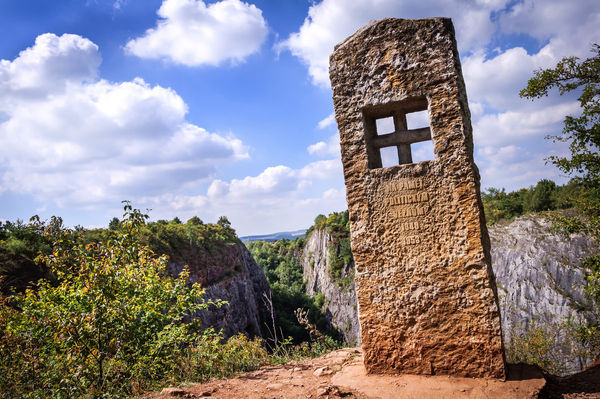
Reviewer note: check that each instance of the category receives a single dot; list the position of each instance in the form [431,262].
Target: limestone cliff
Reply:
[536,272]
[539,280]
[340,298]
[228,272]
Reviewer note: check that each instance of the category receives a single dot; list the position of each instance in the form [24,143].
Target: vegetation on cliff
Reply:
[111,323]
[279,261]
[544,196]
[21,242]
[337,224]
[582,133]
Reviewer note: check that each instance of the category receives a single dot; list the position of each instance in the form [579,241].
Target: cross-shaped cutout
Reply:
[401,137]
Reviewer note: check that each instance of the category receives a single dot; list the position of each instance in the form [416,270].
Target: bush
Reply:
[210,358]
[543,344]
[19,245]
[111,325]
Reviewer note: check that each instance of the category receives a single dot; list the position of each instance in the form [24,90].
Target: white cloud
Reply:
[274,181]
[117,4]
[553,19]
[329,121]
[331,21]
[318,148]
[48,67]
[515,126]
[329,148]
[271,181]
[496,81]
[193,33]
[513,167]
[278,198]
[70,138]
[322,169]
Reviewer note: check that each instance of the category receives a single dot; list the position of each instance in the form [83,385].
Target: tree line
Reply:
[544,196]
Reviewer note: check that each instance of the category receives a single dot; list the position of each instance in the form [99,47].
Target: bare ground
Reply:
[340,374]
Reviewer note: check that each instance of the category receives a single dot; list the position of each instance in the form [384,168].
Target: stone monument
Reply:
[426,294]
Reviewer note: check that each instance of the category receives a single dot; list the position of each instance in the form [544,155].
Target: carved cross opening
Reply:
[401,137]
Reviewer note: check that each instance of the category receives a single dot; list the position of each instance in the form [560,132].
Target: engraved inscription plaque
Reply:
[426,294]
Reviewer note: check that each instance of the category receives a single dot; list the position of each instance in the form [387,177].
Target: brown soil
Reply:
[340,374]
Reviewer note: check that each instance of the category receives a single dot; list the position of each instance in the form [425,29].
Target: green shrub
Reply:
[210,358]
[547,343]
[340,255]
[20,243]
[111,325]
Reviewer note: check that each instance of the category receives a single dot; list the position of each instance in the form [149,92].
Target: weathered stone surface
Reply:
[539,278]
[229,273]
[340,300]
[427,302]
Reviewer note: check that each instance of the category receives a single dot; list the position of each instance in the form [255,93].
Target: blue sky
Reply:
[224,107]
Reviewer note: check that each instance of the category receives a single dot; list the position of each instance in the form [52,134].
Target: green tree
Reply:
[582,133]
[223,221]
[279,261]
[195,220]
[541,198]
[111,325]
[114,223]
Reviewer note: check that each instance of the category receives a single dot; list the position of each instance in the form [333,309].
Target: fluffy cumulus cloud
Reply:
[192,33]
[331,21]
[513,126]
[93,141]
[273,181]
[330,147]
[326,122]
[496,65]
[514,167]
[553,19]
[278,198]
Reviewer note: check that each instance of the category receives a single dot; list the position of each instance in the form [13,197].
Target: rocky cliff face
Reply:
[340,299]
[537,274]
[228,272]
[539,279]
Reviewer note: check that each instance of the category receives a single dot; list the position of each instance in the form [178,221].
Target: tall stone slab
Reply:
[426,294]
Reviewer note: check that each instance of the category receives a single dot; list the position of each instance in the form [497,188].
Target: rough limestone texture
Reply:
[340,300]
[539,279]
[230,273]
[426,297]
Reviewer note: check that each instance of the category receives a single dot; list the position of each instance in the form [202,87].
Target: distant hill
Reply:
[290,235]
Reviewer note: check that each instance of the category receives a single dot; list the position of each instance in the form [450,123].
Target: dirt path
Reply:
[308,379]
[340,374]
